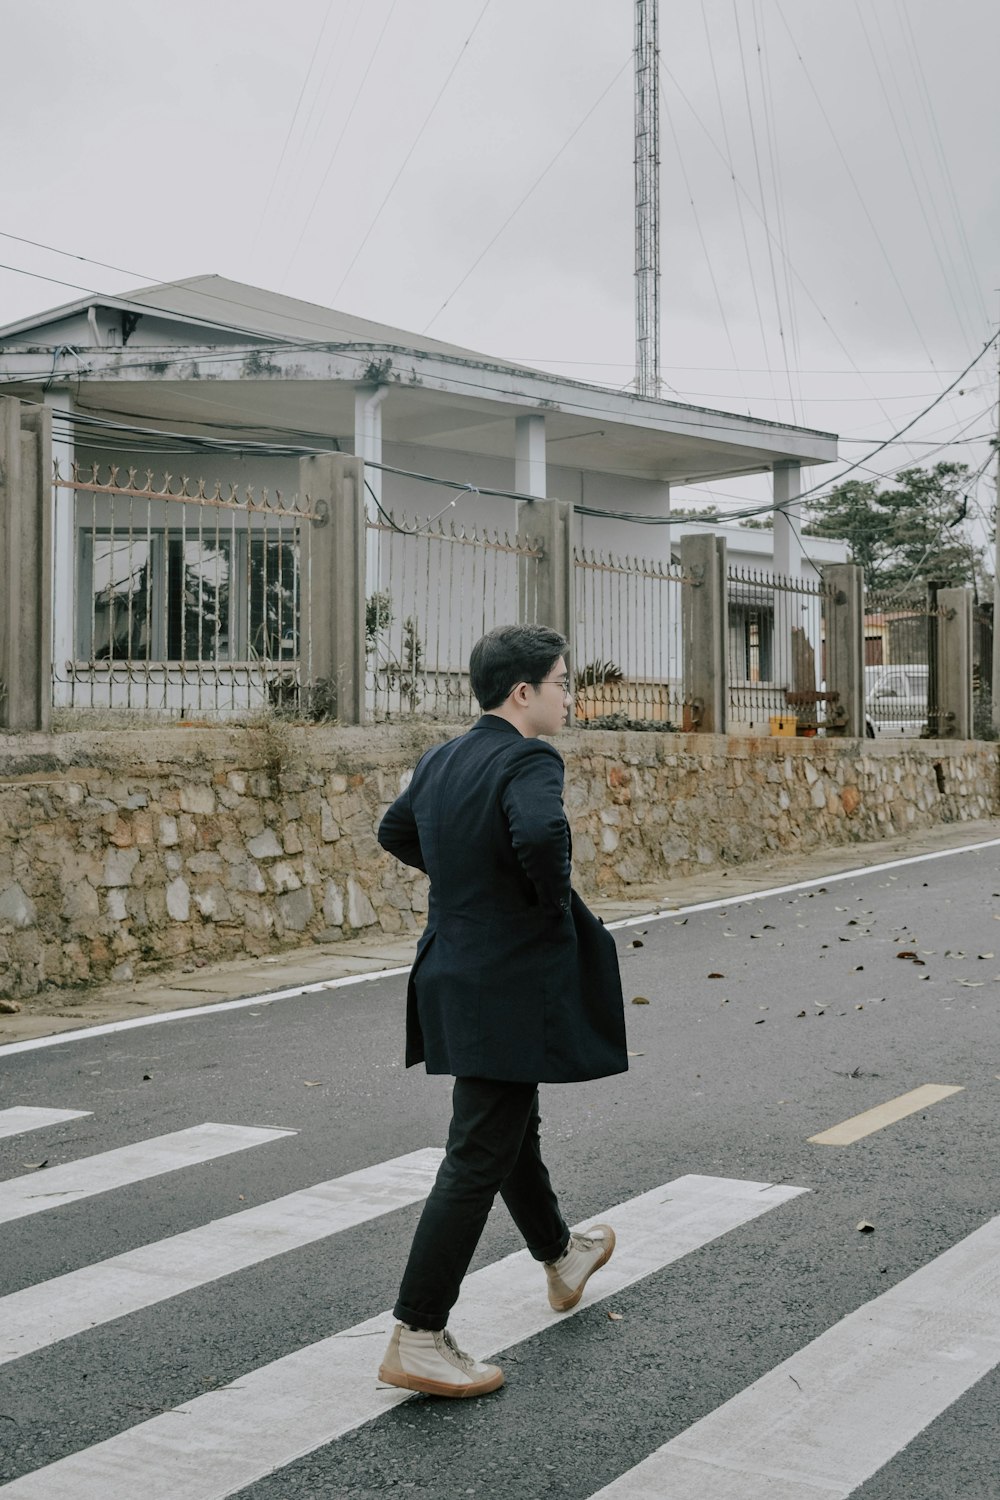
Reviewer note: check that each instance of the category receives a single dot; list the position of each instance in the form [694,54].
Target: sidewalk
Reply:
[188,987]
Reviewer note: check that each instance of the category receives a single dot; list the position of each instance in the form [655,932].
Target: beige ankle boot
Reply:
[584,1255]
[419,1360]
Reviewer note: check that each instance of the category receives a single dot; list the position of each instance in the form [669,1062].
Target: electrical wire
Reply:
[416,141]
[763,206]
[854,183]
[150,309]
[538,180]
[291,126]
[905,29]
[701,236]
[727,157]
[740,189]
[755,510]
[911,160]
[343,131]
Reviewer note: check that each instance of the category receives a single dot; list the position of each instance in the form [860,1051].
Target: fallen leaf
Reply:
[859,1007]
[986,955]
[636,1054]
[863,1227]
[311,1083]
[635,943]
[972,984]
[639,1000]
[716,975]
[800,1015]
[859,968]
[681,923]
[760,1022]
[35,1166]
[9,1007]
[906,953]
[616,1317]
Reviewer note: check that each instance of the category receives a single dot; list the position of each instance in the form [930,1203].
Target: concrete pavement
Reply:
[190,986]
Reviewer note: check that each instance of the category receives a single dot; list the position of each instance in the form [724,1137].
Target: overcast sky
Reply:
[479,157]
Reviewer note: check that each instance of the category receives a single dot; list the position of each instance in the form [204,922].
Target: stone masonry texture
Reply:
[120,853]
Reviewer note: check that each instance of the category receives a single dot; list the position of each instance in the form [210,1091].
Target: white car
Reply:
[896,700]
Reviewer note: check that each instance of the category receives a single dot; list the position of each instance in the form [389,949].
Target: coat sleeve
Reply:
[398,834]
[531,798]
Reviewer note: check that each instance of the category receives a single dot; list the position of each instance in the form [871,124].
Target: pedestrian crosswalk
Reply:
[58,1186]
[21,1118]
[817,1425]
[41,1315]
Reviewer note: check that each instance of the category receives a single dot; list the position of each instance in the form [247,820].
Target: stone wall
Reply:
[120,852]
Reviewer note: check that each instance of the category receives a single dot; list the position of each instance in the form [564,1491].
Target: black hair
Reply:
[511,654]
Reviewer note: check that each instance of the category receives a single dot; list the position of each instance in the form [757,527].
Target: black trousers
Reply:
[493,1147]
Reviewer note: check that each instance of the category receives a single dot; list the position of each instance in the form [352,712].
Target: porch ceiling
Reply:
[702,445]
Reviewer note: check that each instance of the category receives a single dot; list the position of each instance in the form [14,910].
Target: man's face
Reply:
[550,700]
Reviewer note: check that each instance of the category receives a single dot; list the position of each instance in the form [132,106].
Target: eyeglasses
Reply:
[560,682]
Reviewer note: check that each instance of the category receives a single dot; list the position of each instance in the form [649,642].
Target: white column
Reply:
[368,445]
[788,520]
[529,456]
[65,585]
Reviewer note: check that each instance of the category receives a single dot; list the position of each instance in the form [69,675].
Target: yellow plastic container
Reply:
[784,724]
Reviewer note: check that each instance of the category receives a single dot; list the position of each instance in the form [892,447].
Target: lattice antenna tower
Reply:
[647,199]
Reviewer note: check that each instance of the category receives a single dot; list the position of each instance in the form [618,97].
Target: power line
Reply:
[701,236]
[291,124]
[763,206]
[343,131]
[541,176]
[416,141]
[740,189]
[728,159]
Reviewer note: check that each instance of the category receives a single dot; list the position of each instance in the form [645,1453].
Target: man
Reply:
[515,983]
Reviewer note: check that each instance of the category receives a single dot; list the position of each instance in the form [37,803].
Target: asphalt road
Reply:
[767,1021]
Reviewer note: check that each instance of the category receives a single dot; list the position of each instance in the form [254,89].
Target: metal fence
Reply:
[901,635]
[440,586]
[185,599]
[775,651]
[181,599]
[982,671]
[628,638]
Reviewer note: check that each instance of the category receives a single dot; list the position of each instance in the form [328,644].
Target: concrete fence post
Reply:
[546,585]
[25,566]
[845,649]
[704,632]
[333,586]
[954,664]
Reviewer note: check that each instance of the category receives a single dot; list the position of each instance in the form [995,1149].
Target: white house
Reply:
[140,381]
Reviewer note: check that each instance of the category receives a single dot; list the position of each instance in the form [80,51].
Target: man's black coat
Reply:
[514,978]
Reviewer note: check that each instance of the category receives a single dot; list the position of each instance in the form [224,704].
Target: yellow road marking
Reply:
[884,1114]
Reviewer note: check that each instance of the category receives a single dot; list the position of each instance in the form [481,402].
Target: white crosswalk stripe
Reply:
[68,1183]
[817,1426]
[24,1117]
[273,1415]
[41,1315]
